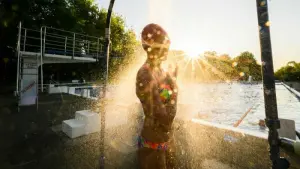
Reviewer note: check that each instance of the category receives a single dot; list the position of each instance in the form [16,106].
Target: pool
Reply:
[225,103]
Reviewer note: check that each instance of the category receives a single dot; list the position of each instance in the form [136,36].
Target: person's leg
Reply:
[151,159]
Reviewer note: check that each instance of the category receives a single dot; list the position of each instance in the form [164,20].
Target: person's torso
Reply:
[153,130]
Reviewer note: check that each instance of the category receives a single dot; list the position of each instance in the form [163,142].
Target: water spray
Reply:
[106,48]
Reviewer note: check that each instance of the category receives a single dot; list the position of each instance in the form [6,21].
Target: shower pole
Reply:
[103,113]
[271,112]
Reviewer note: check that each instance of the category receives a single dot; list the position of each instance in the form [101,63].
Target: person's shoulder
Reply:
[144,73]
[144,70]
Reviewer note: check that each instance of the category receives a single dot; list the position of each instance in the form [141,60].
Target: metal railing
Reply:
[59,42]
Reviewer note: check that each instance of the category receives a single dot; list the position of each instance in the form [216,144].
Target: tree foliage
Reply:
[290,72]
[247,64]
[82,16]
[214,67]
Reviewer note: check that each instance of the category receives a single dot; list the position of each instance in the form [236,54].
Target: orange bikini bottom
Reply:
[142,142]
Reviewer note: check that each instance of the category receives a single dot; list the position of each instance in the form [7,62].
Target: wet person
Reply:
[157,92]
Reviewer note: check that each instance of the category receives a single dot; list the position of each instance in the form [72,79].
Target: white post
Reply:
[73,46]
[66,45]
[37,82]
[97,49]
[41,55]
[18,50]
[88,49]
[24,45]
[42,74]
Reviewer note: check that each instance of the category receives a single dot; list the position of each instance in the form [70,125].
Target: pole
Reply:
[24,45]
[107,43]
[74,38]
[97,49]
[42,58]
[18,53]
[66,41]
[269,86]
[42,47]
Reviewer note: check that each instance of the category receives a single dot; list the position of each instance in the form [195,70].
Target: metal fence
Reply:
[59,42]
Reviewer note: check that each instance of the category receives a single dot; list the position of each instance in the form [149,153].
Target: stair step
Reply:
[29,74]
[30,68]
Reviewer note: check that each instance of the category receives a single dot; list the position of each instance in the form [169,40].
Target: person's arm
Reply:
[171,79]
[147,92]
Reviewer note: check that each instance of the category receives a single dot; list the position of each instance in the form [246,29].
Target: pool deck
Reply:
[33,140]
[29,127]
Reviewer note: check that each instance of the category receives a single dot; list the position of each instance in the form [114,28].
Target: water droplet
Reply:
[234,64]
[149,35]
[268,92]
[242,74]
[149,49]
[267,23]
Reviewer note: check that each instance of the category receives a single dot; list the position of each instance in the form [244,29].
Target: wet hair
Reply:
[154,36]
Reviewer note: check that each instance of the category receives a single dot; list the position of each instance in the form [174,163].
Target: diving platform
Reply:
[48,46]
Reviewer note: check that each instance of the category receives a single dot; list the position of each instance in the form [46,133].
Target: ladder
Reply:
[27,72]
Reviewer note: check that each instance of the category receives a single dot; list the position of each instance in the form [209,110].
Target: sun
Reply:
[192,53]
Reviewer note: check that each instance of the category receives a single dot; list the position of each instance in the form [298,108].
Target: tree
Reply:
[221,67]
[247,65]
[81,16]
[225,57]
[290,72]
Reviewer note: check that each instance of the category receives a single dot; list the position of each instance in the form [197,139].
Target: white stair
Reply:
[87,122]
[91,120]
[73,128]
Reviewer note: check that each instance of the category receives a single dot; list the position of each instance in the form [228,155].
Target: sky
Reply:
[225,26]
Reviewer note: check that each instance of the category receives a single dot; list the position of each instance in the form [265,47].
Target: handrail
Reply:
[70,32]
[30,37]
[52,40]
[35,30]
[56,41]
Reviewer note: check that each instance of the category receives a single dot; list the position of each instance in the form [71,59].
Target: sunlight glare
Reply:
[192,53]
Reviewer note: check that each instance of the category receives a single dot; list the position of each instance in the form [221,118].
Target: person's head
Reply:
[156,42]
